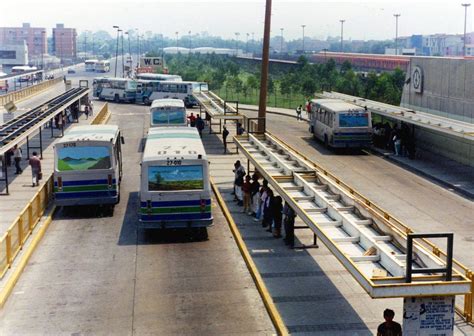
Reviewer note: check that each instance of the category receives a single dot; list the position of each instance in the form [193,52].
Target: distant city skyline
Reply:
[363,21]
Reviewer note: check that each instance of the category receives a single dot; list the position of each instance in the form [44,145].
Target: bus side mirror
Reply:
[122,140]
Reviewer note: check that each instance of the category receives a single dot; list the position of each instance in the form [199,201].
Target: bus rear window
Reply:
[83,158]
[353,120]
[169,178]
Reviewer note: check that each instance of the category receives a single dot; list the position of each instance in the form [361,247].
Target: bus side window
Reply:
[331,114]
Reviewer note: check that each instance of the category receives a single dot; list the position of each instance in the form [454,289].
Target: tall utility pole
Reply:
[302,26]
[253,44]
[138,42]
[237,34]
[262,103]
[177,35]
[129,50]
[123,61]
[85,44]
[281,40]
[116,50]
[247,44]
[465,5]
[396,32]
[43,49]
[342,34]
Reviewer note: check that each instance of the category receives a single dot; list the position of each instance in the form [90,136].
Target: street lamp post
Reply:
[177,36]
[116,50]
[342,34]
[85,45]
[43,44]
[237,34]
[302,26]
[465,5]
[123,64]
[396,32]
[281,40]
[247,43]
[129,50]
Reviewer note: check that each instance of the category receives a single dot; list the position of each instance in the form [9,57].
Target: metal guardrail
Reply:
[22,227]
[27,92]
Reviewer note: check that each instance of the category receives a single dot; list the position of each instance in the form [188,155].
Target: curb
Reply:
[259,283]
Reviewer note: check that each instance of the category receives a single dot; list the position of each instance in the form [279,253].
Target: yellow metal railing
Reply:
[467,310]
[14,239]
[27,92]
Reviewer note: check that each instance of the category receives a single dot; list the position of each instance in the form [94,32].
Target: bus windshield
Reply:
[84,158]
[197,87]
[175,117]
[169,178]
[131,86]
[357,119]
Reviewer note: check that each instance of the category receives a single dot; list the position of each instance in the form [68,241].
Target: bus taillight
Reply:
[203,205]
[109,180]
[60,183]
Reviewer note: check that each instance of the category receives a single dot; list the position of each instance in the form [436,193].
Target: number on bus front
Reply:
[173,162]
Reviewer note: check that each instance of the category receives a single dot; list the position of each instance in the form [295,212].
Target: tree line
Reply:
[303,80]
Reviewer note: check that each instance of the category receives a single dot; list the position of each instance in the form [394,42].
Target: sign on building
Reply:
[423,316]
[155,62]
[145,70]
[417,79]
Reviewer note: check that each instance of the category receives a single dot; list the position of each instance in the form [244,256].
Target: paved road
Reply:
[103,276]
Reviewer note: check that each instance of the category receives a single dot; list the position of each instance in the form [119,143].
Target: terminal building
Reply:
[442,87]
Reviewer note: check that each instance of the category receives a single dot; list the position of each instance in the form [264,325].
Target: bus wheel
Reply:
[146,101]
[117,99]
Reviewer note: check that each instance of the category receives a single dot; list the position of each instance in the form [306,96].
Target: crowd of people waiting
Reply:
[400,140]
[259,202]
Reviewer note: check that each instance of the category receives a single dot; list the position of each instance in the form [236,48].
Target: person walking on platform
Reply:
[225,134]
[277,216]
[389,327]
[17,155]
[262,196]
[35,164]
[200,125]
[289,223]
[298,112]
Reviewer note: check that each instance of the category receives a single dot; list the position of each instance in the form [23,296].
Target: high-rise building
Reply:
[35,38]
[64,42]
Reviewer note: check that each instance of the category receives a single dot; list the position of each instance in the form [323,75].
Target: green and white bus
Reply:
[88,166]
[175,190]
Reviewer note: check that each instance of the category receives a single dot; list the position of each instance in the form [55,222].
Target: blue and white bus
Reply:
[116,89]
[147,91]
[159,77]
[339,124]
[175,190]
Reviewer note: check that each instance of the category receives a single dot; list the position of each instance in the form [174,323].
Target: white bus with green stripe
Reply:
[175,190]
[88,166]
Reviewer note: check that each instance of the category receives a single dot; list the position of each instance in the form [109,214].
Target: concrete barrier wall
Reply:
[448,88]
[455,148]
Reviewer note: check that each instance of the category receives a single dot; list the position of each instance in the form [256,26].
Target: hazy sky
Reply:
[364,19]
